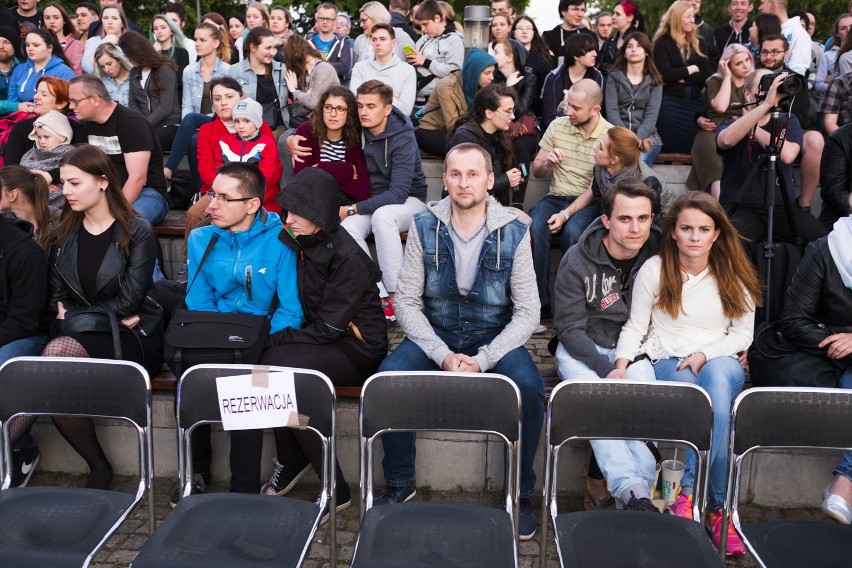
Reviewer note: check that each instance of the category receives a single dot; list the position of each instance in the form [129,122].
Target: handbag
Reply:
[94,318]
[774,362]
[197,337]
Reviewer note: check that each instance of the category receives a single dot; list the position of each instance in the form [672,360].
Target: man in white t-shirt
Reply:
[799,55]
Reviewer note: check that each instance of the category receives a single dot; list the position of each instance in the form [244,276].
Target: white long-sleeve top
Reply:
[701,326]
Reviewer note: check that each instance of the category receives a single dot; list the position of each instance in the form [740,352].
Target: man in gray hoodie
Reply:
[388,68]
[467,302]
[592,302]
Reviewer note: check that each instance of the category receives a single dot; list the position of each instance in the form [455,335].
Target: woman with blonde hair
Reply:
[113,68]
[724,89]
[681,58]
[113,24]
[692,315]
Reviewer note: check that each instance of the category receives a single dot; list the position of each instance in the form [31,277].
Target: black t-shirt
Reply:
[623,266]
[24,24]
[737,163]
[126,131]
[90,255]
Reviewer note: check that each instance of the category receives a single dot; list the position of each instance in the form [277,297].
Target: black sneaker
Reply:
[344,500]
[24,463]
[641,504]
[199,484]
[527,523]
[395,494]
[284,477]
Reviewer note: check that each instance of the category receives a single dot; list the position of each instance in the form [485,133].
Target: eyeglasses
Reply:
[335,109]
[76,102]
[216,197]
[325,19]
[343,25]
[774,52]
[363,20]
[509,113]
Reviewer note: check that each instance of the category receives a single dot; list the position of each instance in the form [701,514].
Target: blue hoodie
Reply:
[393,160]
[243,271]
[22,84]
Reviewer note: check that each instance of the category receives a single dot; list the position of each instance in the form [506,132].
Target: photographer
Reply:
[741,142]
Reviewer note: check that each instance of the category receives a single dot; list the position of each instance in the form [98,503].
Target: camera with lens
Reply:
[792,85]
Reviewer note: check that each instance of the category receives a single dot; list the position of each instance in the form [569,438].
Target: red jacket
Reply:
[352,175]
[211,155]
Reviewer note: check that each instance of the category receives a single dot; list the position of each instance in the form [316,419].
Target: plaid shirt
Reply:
[838,99]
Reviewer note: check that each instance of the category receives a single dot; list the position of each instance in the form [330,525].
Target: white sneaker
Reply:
[836,507]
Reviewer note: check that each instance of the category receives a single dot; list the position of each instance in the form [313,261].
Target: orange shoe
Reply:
[682,507]
[734,546]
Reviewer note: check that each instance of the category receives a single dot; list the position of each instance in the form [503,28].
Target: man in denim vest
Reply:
[467,301]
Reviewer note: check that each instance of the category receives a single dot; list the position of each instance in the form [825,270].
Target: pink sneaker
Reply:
[734,546]
[682,507]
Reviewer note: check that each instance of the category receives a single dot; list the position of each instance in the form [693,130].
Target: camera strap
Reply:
[780,138]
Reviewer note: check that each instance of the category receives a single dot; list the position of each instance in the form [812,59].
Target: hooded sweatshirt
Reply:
[393,160]
[22,85]
[336,279]
[444,54]
[243,271]
[23,282]
[590,304]
[633,107]
[396,73]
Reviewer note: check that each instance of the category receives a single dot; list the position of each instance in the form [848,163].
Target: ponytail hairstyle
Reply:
[626,146]
[223,52]
[735,274]
[33,187]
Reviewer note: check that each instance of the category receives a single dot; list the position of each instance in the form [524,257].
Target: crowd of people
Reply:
[301,147]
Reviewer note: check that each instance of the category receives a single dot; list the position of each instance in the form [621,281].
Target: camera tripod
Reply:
[774,177]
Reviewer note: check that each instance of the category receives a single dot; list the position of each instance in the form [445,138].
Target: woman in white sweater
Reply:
[692,314]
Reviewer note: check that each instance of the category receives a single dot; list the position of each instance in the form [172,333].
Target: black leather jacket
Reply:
[124,279]
[818,304]
[835,175]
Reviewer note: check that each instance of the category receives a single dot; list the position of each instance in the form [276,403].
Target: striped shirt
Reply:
[573,175]
[331,151]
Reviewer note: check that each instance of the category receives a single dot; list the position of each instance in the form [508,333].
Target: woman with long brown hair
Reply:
[57,20]
[692,314]
[23,194]
[681,57]
[308,77]
[99,235]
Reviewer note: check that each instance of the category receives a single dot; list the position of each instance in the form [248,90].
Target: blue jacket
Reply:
[7,106]
[22,85]
[243,271]
[393,160]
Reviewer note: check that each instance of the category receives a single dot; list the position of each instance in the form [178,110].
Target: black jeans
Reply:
[751,222]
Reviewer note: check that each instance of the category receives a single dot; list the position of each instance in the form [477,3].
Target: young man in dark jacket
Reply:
[345,334]
[592,302]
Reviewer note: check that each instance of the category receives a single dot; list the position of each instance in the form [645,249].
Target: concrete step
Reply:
[445,461]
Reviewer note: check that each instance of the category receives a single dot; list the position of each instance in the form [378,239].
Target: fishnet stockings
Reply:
[79,432]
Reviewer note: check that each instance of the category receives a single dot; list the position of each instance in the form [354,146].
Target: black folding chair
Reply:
[628,410]
[57,527]
[439,535]
[235,530]
[790,419]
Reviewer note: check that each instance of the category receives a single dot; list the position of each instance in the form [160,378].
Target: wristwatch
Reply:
[350,210]
[565,214]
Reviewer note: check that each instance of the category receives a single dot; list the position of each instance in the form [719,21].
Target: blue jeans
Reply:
[22,348]
[722,378]
[845,467]
[571,231]
[517,364]
[624,463]
[152,205]
[183,139]
[651,155]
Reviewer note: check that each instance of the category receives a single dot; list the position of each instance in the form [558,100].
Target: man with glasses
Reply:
[129,140]
[335,48]
[572,13]
[774,53]
[387,68]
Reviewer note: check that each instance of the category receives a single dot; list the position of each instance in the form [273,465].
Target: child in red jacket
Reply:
[253,146]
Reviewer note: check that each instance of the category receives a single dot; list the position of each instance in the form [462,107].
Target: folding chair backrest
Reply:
[62,385]
[475,402]
[198,400]
[626,409]
[792,417]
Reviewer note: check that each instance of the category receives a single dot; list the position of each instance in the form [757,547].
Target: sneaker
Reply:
[527,523]
[387,307]
[199,484]
[641,504]
[284,477]
[682,506]
[834,506]
[734,546]
[24,463]
[182,274]
[395,494]
[344,499]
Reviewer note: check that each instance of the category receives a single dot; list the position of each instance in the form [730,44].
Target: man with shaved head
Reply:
[566,153]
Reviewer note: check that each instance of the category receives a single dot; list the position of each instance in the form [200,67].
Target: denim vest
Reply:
[487,309]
